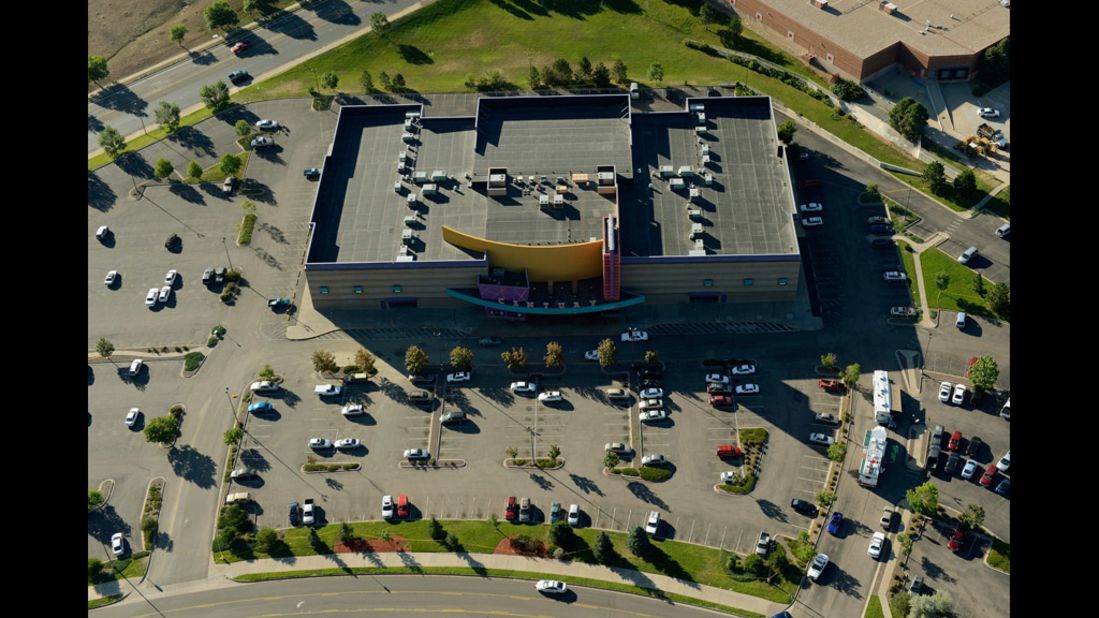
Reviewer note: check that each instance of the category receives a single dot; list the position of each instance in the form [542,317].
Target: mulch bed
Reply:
[362,546]
[505,547]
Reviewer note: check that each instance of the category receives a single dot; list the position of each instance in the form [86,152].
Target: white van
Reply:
[135,367]
[967,255]
[1003,230]
[242,496]
[960,320]
[327,390]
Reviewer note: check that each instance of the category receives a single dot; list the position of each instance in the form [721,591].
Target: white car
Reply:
[817,566]
[264,387]
[829,419]
[652,415]
[959,394]
[550,397]
[352,409]
[820,438]
[524,388]
[893,275]
[747,389]
[574,515]
[267,125]
[135,367]
[743,370]
[653,460]
[969,469]
[811,207]
[650,404]
[458,376]
[651,393]
[617,447]
[118,545]
[988,112]
[387,507]
[728,476]
[635,335]
[319,443]
[592,355]
[812,221]
[717,378]
[944,392]
[763,544]
[170,278]
[416,453]
[112,276]
[102,232]
[551,586]
[1004,463]
[308,515]
[150,297]
[876,543]
[652,523]
[132,416]
[165,292]
[348,443]
[262,141]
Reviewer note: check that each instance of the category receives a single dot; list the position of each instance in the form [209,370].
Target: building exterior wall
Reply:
[673,282]
[427,285]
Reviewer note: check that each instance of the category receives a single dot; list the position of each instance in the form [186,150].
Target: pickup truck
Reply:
[278,303]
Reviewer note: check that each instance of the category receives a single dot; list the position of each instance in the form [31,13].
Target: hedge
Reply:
[653,473]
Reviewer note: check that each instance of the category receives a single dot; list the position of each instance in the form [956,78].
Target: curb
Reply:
[341,469]
[510,466]
[107,496]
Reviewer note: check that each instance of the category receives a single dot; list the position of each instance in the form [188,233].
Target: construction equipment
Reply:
[995,137]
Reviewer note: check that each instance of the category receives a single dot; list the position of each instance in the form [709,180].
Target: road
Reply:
[130,108]
[409,595]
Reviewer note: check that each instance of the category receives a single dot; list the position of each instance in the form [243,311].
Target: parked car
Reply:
[955,441]
[574,515]
[267,125]
[320,443]
[308,514]
[228,185]
[165,294]
[917,585]
[812,221]
[650,404]
[959,394]
[243,472]
[817,566]
[524,511]
[524,388]
[763,544]
[295,513]
[1004,230]
[487,341]
[829,419]
[902,312]
[237,77]
[831,385]
[458,376]
[171,241]
[811,207]
[717,378]
[132,416]
[970,469]
[312,173]
[728,476]
[886,519]
[135,367]
[352,409]
[348,443]
[111,278]
[616,394]
[262,141]
[1004,463]
[988,476]
[264,387]
[956,541]
[555,512]
[746,369]
[208,274]
[974,447]
[952,463]
[118,544]
[652,524]
[635,335]
[1004,487]
[279,302]
[988,112]
[402,506]
[747,389]
[591,355]
[454,416]
[551,586]
[652,415]
[550,397]
[804,507]
[327,390]
[877,542]
[713,388]
[820,438]
[387,507]
[653,459]
[511,509]
[617,447]
[416,453]
[834,523]
[944,392]
[651,393]
[728,451]
[102,232]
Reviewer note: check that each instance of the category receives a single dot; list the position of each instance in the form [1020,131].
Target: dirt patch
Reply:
[508,547]
[362,546]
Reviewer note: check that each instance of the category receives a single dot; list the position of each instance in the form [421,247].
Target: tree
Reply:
[554,355]
[324,361]
[177,33]
[435,529]
[786,131]
[639,542]
[984,373]
[999,298]
[825,498]
[452,542]
[905,541]
[383,77]
[735,26]
[94,499]
[973,516]
[534,78]
[847,90]
[942,281]
[656,72]
[939,605]
[965,184]
[162,430]
[194,170]
[365,361]
[255,6]
[924,499]
[347,533]
[872,189]
[242,128]
[215,96]
[331,80]
[619,71]
[97,69]
[554,451]
[230,164]
[777,563]
[601,75]
[754,564]
[266,539]
[515,358]
[315,540]
[221,16]
[95,565]
[110,140]
[610,460]
[608,354]
[909,118]
[233,435]
[379,23]
[828,361]
[837,451]
[603,549]
[267,373]
[398,83]
[367,82]
[163,169]
[104,348]
[415,359]
[560,533]
[728,38]
[461,358]
[585,68]
[167,116]
[851,375]
[979,284]
[935,176]
[708,14]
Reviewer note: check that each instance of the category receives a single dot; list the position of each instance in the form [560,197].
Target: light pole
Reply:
[226,247]
[232,406]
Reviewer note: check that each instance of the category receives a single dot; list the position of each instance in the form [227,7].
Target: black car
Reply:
[802,506]
[876,219]
[239,76]
[882,243]
[974,446]
[952,463]
[651,384]
[294,513]
[881,228]
[651,374]
[916,587]
[312,173]
[172,241]
[894,267]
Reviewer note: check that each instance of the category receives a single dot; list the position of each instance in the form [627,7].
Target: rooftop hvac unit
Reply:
[558,199]
[666,171]
[686,170]
[694,192]
[408,138]
[697,107]
[408,237]
[419,178]
[820,4]
[497,177]
[700,245]
[438,175]
[700,129]
[693,213]
[696,252]
[705,159]
[634,92]
[605,175]
[407,125]
[543,199]
[411,200]
[887,7]
[403,157]
[411,115]
[708,179]
[705,150]
[396,186]
[696,231]
[411,257]
[676,183]
[700,118]
[431,189]
[410,220]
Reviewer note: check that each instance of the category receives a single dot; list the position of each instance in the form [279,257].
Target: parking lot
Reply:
[975,588]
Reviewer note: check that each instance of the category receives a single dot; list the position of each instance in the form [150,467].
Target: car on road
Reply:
[264,387]
[967,255]
[1004,487]
[237,77]
[454,416]
[511,509]
[267,124]
[524,388]
[902,312]
[828,419]
[877,541]
[118,544]
[416,453]
[574,515]
[653,459]
[170,277]
[652,415]
[320,443]
[650,404]
[745,369]
[458,376]
[717,378]
[834,523]
[974,447]
[886,519]
[811,207]
[348,443]
[944,392]
[387,507]
[308,514]
[817,566]
[988,112]
[617,447]
[352,409]
[893,275]
[876,220]
[635,335]
[165,294]
[956,541]
[820,438]
[812,221]
[550,397]
[763,544]
[955,441]
[112,276]
[728,451]
[988,476]
[747,389]
[804,507]
[652,524]
[261,141]
[651,393]
[1004,463]
[312,173]
[970,469]
[295,516]
[240,46]
[959,394]
[243,472]
[591,355]
[132,416]
[555,512]
[831,385]
[485,341]
[551,586]
[524,511]
[327,390]
[172,241]
[102,232]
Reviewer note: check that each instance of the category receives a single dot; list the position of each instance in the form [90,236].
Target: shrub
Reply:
[211,342]
[218,331]
[702,47]
[350,466]
[94,499]
[314,467]
[639,542]
[626,471]
[753,437]
[653,473]
[435,529]
[847,90]
[527,544]
[192,360]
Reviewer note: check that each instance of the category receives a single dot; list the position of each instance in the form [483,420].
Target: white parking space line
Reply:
[691,534]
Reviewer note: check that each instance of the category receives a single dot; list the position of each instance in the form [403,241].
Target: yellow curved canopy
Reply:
[542,262]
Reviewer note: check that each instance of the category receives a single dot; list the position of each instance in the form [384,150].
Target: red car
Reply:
[240,46]
[511,511]
[986,478]
[956,540]
[721,401]
[402,506]
[727,451]
[832,386]
[955,441]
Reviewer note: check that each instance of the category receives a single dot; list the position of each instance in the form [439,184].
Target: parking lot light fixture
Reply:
[229,259]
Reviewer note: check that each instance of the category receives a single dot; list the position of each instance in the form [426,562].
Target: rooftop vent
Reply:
[888,8]
[820,4]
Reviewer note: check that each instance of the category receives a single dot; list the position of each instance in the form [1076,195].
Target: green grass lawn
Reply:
[131,567]
[959,295]
[101,601]
[1001,203]
[999,555]
[909,260]
[874,610]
